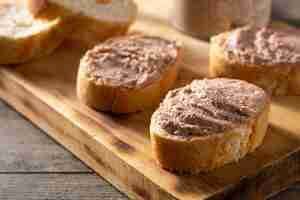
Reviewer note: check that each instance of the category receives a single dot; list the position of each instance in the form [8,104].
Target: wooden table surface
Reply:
[34,167]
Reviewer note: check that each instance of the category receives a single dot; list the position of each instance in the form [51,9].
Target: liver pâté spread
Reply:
[267,46]
[130,61]
[208,107]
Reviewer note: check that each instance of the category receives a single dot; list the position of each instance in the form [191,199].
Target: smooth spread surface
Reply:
[130,62]
[209,107]
[264,45]
[16,21]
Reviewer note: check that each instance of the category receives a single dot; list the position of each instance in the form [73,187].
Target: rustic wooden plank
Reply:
[25,148]
[118,148]
[14,183]
[56,187]
[98,155]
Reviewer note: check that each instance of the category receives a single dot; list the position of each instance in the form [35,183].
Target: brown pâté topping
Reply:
[130,61]
[209,107]
[265,46]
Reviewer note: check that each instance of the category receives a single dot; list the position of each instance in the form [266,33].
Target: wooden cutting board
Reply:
[118,147]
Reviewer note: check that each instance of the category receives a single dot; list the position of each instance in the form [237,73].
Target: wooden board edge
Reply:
[271,180]
[267,182]
[34,109]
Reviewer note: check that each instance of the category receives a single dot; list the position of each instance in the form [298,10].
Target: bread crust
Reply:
[87,30]
[96,31]
[125,100]
[22,49]
[197,154]
[276,79]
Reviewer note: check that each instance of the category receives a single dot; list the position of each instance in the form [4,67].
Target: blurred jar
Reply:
[204,18]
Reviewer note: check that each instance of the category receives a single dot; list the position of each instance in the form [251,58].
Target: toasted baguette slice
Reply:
[268,57]
[95,21]
[128,74]
[23,38]
[208,124]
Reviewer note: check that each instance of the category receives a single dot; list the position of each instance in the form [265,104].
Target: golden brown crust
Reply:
[92,34]
[119,99]
[87,30]
[276,79]
[202,154]
[31,46]
[25,49]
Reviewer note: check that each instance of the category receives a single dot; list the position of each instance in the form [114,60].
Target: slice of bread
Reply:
[23,38]
[268,57]
[208,124]
[95,21]
[128,74]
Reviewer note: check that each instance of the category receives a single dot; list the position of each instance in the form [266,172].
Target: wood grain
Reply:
[118,147]
[24,148]
[56,187]
[15,189]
